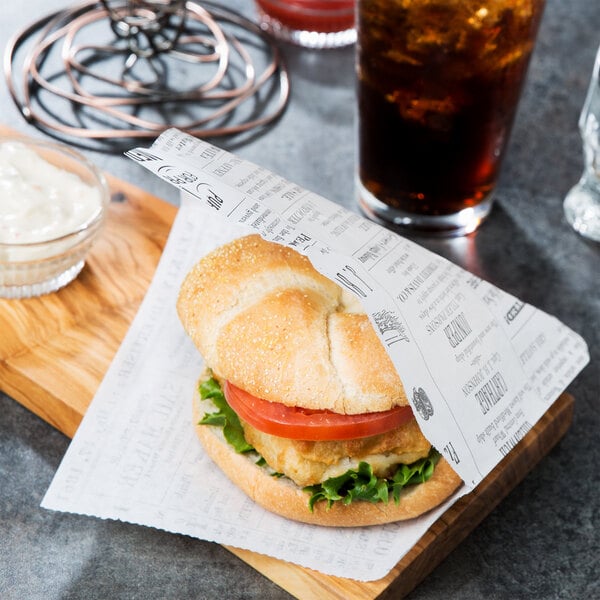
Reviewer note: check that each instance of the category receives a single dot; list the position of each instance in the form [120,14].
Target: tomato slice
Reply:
[313,425]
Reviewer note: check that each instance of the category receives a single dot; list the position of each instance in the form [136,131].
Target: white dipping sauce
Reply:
[38,201]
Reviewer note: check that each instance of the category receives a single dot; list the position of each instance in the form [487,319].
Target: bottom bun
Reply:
[282,496]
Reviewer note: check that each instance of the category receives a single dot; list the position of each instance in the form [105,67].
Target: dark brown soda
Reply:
[438,88]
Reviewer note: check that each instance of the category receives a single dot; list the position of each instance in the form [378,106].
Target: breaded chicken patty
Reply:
[307,463]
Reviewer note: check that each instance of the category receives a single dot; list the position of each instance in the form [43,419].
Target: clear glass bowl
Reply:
[30,269]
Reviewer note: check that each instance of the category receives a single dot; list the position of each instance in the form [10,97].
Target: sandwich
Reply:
[300,405]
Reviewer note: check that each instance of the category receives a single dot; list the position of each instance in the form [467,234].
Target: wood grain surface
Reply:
[55,349]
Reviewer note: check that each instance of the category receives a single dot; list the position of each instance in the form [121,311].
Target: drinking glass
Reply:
[438,86]
[309,23]
[582,203]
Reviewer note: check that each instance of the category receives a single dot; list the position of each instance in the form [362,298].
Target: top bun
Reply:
[267,321]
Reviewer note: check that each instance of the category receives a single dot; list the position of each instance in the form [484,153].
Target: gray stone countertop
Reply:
[543,540]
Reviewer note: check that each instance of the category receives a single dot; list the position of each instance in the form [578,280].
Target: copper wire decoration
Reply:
[119,69]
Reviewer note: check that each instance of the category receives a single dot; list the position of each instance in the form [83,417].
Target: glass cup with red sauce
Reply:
[438,86]
[309,23]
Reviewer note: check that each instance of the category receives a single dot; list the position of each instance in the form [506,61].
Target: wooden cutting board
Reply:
[54,351]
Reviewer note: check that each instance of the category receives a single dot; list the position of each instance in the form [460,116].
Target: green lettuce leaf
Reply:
[224,417]
[363,484]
